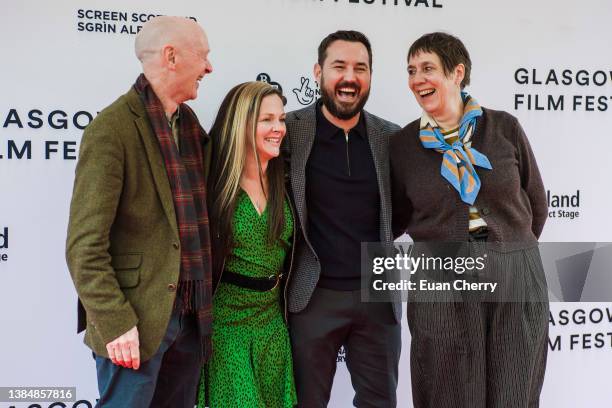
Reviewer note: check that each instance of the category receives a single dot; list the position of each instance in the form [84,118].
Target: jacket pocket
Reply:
[127,269]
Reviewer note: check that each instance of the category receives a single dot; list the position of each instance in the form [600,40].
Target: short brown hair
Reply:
[344,35]
[448,48]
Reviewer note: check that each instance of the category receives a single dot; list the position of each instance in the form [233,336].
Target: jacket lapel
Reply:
[302,138]
[380,154]
[154,156]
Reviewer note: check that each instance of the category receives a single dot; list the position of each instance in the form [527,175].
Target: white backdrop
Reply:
[58,69]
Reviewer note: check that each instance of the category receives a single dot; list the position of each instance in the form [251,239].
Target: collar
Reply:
[427,120]
[325,127]
[175,116]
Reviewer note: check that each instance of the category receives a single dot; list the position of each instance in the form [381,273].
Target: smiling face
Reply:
[271,127]
[435,91]
[191,65]
[344,78]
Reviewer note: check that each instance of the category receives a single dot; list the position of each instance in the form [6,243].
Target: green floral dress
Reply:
[251,364]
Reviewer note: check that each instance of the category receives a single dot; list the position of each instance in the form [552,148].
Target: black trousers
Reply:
[371,338]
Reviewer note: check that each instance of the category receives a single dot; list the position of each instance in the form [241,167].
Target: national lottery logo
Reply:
[305,93]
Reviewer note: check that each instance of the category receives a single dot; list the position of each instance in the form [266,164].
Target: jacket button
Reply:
[175,245]
[171,287]
[486,211]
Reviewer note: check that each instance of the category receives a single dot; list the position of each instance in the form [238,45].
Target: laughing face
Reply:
[191,65]
[344,78]
[270,127]
[435,91]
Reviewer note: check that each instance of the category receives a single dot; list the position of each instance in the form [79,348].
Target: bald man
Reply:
[138,245]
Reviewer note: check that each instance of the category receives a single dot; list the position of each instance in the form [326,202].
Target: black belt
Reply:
[258,284]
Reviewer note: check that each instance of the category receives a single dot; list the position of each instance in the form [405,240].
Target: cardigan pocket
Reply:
[127,269]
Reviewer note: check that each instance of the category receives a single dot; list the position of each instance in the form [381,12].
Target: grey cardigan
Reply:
[512,200]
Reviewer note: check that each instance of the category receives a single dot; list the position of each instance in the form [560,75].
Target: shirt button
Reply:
[175,245]
[486,211]
[171,287]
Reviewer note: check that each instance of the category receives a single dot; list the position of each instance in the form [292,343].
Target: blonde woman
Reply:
[251,227]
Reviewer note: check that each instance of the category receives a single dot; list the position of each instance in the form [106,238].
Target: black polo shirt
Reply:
[342,200]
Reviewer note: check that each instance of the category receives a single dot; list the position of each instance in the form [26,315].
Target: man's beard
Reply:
[339,110]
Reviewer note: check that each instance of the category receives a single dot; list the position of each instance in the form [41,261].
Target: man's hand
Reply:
[125,349]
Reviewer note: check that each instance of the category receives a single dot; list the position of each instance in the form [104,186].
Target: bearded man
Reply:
[340,183]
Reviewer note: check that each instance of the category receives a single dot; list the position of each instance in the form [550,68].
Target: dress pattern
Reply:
[251,365]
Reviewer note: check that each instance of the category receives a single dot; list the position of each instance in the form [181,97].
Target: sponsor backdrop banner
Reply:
[546,62]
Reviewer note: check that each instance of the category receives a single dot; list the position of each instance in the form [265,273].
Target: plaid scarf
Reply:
[458,160]
[186,177]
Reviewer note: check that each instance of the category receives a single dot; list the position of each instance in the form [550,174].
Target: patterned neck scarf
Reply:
[458,160]
[186,177]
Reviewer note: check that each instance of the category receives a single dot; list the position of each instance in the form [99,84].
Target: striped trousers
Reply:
[483,351]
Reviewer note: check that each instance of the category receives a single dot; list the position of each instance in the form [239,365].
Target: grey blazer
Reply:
[301,128]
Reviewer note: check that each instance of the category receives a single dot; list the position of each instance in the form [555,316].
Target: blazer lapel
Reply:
[156,161]
[302,138]
[380,153]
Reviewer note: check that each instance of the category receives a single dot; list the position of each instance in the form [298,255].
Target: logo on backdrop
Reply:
[263,77]
[405,3]
[341,358]
[15,122]
[562,89]
[113,22]
[583,277]
[4,242]
[565,206]
[307,92]
[596,321]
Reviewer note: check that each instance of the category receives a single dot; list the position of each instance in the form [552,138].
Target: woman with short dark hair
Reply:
[464,173]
